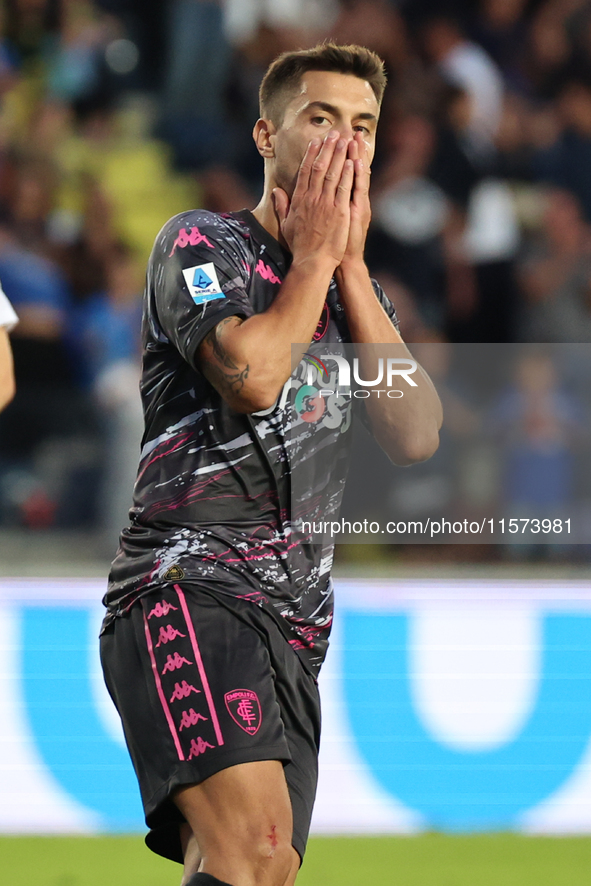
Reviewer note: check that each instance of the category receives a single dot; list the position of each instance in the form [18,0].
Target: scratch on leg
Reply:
[274,841]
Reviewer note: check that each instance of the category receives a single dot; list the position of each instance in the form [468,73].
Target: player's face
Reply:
[326,101]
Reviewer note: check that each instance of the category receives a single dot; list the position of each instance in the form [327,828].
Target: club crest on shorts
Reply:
[245,709]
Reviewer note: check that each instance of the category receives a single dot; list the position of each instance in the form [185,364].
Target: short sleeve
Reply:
[199,275]
[387,305]
[8,317]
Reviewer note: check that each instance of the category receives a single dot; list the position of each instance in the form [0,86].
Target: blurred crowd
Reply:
[116,114]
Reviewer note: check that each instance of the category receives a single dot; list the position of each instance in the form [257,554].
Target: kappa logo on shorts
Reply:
[245,709]
[162,609]
[167,635]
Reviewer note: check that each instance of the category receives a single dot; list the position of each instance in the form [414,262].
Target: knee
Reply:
[257,858]
[271,857]
[251,856]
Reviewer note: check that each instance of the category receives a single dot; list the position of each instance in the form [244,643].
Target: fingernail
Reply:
[341,144]
[315,142]
[332,135]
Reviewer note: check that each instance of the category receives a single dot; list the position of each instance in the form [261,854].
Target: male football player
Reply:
[218,612]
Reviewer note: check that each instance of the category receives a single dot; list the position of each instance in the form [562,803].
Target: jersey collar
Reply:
[280,255]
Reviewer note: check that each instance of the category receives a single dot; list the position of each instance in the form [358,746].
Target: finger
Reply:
[280,204]
[333,173]
[361,143]
[361,152]
[362,171]
[361,184]
[363,147]
[357,152]
[364,150]
[353,149]
[303,179]
[322,162]
[345,186]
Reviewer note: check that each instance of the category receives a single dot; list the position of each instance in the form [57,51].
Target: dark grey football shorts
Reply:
[203,682]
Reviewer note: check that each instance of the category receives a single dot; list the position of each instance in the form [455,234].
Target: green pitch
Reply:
[426,860]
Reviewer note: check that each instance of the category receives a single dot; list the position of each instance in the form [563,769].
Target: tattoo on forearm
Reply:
[223,369]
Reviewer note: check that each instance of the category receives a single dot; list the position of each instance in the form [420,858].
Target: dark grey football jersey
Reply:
[213,503]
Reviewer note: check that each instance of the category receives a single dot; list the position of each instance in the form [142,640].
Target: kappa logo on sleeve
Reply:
[203,284]
[193,238]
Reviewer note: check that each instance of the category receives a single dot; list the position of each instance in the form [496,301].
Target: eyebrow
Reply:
[332,109]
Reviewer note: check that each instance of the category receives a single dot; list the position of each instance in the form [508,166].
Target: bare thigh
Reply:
[240,826]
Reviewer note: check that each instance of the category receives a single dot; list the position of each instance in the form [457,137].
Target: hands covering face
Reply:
[329,212]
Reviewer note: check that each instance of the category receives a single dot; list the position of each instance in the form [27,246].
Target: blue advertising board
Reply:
[459,706]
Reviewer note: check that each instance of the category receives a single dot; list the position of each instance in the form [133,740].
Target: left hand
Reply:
[360,206]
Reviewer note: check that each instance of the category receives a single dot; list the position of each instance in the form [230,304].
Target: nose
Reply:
[345,131]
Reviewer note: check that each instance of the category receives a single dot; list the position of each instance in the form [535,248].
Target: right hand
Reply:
[315,223]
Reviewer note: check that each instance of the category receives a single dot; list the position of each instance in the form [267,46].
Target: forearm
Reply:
[7,386]
[250,361]
[367,321]
[406,428]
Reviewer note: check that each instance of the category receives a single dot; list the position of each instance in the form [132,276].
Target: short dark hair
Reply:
[285,73]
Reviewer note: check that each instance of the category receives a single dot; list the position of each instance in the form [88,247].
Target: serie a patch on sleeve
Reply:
[202,282]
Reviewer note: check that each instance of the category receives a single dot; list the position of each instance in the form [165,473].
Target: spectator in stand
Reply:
[377,25]
[143,23]
[567,163]
[556,275]
[465,64]
[31,27]
[547,49]
[501,29]
[581,41]
[48,433]
[305,19]
[8,321]
[75,65]
[194,115]
[31,202]
[410,216]
[106,329]
[8,58]
[537,426]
